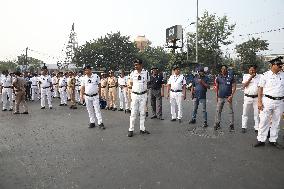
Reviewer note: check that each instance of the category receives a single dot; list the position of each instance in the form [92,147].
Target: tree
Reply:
[113,51]
[7,65]
[247,51]
[213,32]
[32,65]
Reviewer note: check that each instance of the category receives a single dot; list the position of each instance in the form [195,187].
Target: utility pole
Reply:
[196,56]
[26,59]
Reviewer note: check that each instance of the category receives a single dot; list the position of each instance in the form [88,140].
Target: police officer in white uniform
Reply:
[34,86]
[250,85]
[138,81]
[6,90]
[270,103]
[62,89]
[176,92]
[122,91]
[45,85]
[90,92]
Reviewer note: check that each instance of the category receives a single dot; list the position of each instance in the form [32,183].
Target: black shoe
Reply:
[193,121]
[114,109]
[25,113]
[11,109]
[130,134]
[259,144]
[92,125]
[110,108]
[276,145]
[65,104]
[101,126]
[4,110]
[147,114]
[179,120]
[160,118]
[232,128]
[16,113]
[173,119]
[244,130]
[217,126]
[144,132]
[154,117]
[61,104]
[50,108]
[120,109]
[205,124]
[256,131]
[42,108]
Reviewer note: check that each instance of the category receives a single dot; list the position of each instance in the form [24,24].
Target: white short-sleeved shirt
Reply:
[6,81]
[139,85]
[62,82]
[273,84]
[252,88]
[34,81]
[45,81]
[91,84]
[122,81]
[176,82]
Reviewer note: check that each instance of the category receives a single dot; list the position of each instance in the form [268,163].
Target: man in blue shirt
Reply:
[226,88]
[199,88]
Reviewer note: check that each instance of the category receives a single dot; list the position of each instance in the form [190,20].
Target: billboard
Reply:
[174,33]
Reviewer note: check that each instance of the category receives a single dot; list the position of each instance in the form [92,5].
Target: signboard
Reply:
[174,33]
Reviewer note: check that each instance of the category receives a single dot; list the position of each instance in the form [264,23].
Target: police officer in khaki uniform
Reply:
[270,103]
[19,84]
[71,82]
[104,88]
[112,85]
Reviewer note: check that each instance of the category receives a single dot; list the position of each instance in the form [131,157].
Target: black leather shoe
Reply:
[256,131]
[147,114]
[61,104]
[25,113]
[16,113]
[130,134]
[4,110]
[120,109]
[160,118]
[144,132]
[232,128]
[217,126]
[154,117]
[173,119]
[244,130]
[179,120]
[259,144]
[110,108]
[11,109]
[276,145]
[205,124]
[65,104]
[114,109]
[42,108]
[193,121]
[102,126]
[92,125]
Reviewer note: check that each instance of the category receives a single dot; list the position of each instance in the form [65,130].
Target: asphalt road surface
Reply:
[56,149]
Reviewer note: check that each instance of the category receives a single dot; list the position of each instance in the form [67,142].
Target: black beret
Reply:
[88,67]
[276,60]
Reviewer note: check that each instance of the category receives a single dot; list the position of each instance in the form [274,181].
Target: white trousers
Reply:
[77,96]
[45,93]
[93,103]
[123,99]
[55,91]
[7,92]
[250,102]
[138,103]
[175,100]
[271,113]
[63,95]
[34,93]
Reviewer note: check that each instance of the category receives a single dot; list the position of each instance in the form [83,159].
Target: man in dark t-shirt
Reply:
[225,88]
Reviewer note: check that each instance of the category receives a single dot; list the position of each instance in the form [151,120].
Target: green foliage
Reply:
[247,51]
[213,32]
[7,65]
[33,63]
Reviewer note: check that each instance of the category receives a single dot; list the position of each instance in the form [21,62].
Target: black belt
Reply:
[274,98]
[34,85]
[45,87]
[123,85]
[129,87]
[139,93]
[111,86]
[91,95]
[61,86]
[251,96]
[175,91]
[8,87]
[104,87]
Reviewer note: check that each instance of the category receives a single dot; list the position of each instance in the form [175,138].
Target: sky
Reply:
[44,25]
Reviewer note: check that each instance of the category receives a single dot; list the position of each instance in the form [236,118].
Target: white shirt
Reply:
[77,83]
[54,80]
[91,84]
[139,86]
[6,81]
[176,82]
[273,84]
[122,81]
[44,81]
[252,88]
[34,81]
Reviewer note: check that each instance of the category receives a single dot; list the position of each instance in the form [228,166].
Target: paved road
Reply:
[55,149]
